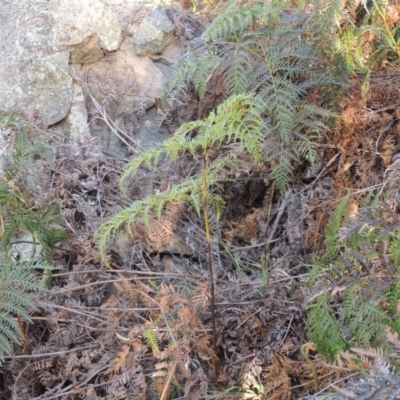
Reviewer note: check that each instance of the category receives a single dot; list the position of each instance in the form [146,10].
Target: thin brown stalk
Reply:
[210,266]
[24,342]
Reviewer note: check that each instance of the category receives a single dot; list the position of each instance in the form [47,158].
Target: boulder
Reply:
[75,126]
[154,33]
[40,87]
[41,39]
[5,146]
[26,249]
[25,29]
[124,81]
[32,79]
[85,28]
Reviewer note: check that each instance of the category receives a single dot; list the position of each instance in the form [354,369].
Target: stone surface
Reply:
[32,79]
[40,37]
[41,88]
[124,81]
[25,29]
[5,153]
[85,28]
[26,249]
[75,126]
[174,265]
[169,56]
[154,33]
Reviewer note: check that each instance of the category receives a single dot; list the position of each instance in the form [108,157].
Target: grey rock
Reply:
[75,126]
[123,82]
[25,29]
[26,249]
[39,87]
[85,28]
[32,79]
[154,33]
[5,156]
[41,40]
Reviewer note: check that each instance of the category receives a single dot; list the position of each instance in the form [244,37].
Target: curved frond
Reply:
[16,280]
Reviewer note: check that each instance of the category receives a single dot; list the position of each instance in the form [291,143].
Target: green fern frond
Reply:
[22,154]
[151,340]
[366,325]
[43,223]
[180,142]
[231,23]
[198,73]
[237,119]
[17,216]
[15,282]
[283,168]
[8,334]
[217,204]
[394,250]
[5,192]
[143,210]
[272,51]
[335,223]
[239,76]
[325,330]
[148,159]
[358,49]
[363,303]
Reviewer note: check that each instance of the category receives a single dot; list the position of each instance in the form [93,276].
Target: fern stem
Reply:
[210,266]
[331,174]
[265,259]
[250,50]
[24,342]
[167,385]
[305,350]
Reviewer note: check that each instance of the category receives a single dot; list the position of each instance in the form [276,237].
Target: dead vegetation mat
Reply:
[142,328]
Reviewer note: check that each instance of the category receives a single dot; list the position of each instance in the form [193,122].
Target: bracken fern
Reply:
[238,118]
[355,289]
[17,216]
[271,49]
[15,282]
